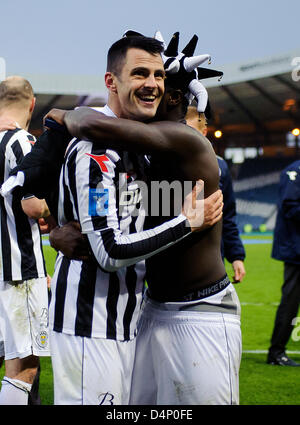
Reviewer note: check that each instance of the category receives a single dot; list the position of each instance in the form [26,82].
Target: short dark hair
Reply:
[117,52]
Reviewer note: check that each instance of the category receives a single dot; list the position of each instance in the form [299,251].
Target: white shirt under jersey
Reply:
[101,298]
[21,252]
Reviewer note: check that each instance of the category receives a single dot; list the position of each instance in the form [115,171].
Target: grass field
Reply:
[260,384]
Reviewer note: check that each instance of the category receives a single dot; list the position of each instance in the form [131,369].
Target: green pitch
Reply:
[260,384]
[259,294]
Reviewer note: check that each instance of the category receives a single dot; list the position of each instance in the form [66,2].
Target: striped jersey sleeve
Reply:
[21,249]
[94,178]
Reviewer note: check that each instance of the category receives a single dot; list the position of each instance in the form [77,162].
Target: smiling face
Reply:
[140,85]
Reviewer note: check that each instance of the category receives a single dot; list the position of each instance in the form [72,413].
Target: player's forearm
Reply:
[114,250]
[119,133]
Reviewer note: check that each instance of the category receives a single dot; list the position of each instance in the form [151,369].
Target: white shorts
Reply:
[187,357]
[24,318]
[91,371]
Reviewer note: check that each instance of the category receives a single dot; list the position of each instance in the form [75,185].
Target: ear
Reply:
[110,82]
[32,105]
[175,97]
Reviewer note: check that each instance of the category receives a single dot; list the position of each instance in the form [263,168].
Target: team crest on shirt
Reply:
[292,174]
[42,339]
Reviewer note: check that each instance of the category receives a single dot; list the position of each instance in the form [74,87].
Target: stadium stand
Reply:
[256,190]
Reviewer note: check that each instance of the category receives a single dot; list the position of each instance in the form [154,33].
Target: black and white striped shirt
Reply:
[102,298]
[21,246]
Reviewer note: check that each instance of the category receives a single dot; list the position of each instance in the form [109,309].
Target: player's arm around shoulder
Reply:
[160,136]
[172,138]
[118,133]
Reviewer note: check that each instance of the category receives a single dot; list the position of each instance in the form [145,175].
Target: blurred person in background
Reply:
[23,277]
[286,248]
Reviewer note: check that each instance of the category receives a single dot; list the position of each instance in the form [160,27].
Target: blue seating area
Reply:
[256,192]
[266,193]
[263,165]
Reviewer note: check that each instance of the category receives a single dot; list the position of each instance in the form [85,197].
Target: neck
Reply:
[114,106]
[170,114]
[175,114]
[16,115]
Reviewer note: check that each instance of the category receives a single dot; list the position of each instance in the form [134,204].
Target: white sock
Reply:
[14,391]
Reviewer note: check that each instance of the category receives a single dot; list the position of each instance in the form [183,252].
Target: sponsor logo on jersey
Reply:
[106,399]
[100,159]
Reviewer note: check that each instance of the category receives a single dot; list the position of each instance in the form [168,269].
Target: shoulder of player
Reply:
[294,166]
[24,135]
[83,149]
[21,137]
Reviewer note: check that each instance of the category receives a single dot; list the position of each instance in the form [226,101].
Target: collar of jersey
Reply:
[105,110]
